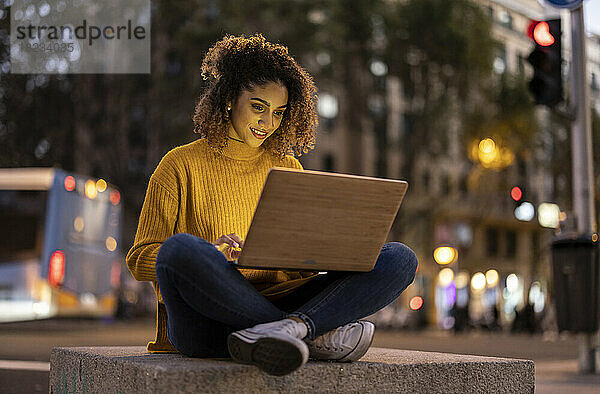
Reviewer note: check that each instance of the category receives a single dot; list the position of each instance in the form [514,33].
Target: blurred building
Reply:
[503,262]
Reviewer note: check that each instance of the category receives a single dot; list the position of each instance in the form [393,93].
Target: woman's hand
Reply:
[230,245]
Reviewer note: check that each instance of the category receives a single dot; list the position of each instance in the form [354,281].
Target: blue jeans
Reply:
[207,298]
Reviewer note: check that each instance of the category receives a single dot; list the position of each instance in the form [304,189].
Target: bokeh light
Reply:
[516,193]
[525,212]
[512,282]
[78,224]
[415,303]
[478,281]
[537,297]
[491,277]
[445,277]
[101,185]
[491,154]
[90,189]
[111,243]
[445,255]
[548,215]
[115,197]
[462,279]
[69,183]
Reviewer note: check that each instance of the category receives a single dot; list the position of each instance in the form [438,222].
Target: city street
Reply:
[451,151]
[30,343]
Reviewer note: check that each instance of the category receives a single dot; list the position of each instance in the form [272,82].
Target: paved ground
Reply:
[555,359]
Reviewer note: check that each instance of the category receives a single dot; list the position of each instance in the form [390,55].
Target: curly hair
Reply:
[235,64]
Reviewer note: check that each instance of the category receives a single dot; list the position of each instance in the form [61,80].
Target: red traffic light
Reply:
[540,33]
[516,193]
[546,59]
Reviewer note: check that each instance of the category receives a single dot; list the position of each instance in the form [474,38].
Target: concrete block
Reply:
[133,370]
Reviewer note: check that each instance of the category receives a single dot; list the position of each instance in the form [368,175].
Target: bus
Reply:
[59,245]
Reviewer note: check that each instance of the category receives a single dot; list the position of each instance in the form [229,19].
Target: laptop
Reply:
[320,221]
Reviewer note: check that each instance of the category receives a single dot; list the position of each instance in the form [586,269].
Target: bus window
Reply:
[22,214]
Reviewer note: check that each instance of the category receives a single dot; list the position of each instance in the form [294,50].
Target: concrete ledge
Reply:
[133,370]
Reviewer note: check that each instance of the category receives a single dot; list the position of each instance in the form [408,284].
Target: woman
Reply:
[258,106]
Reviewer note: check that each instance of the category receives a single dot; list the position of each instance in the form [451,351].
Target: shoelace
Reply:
[291,327]
[288,326]
[330,341]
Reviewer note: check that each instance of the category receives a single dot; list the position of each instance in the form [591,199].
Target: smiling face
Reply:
[256,114]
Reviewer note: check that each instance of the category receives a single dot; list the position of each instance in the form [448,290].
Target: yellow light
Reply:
[491,154]
[445,277]
[90,189]
[101,185]
[562,216]
[462,279]
[478,281]
[445,255]
[594,237]
[488,152]
[111,243]
[491,277]
[487,146]
[78,224]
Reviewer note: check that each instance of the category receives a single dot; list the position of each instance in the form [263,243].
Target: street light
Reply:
[445,277]
[491,277]
[478,282]
[444,255]
[491,153]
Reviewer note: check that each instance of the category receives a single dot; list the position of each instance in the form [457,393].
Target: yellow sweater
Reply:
[198,191]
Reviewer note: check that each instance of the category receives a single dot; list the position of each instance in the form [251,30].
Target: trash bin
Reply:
[576,278]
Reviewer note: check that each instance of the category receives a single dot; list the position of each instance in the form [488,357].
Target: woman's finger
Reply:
[230,245]
[231,241]
[237,238]
[223,248]
[217,242]
[227,240]
[228,251]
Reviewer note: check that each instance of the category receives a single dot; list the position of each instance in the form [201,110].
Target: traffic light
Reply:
[546,59]
[516,193]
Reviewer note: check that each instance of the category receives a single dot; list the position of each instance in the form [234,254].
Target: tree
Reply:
[442,50]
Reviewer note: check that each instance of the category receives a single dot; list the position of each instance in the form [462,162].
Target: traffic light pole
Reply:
[581,141]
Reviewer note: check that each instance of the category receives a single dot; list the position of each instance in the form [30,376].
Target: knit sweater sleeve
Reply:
[157,223]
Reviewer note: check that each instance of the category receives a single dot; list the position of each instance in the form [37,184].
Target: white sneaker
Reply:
[346,343]
[276,348]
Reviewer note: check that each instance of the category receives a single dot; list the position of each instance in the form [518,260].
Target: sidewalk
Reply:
[555,360]
[558,377]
